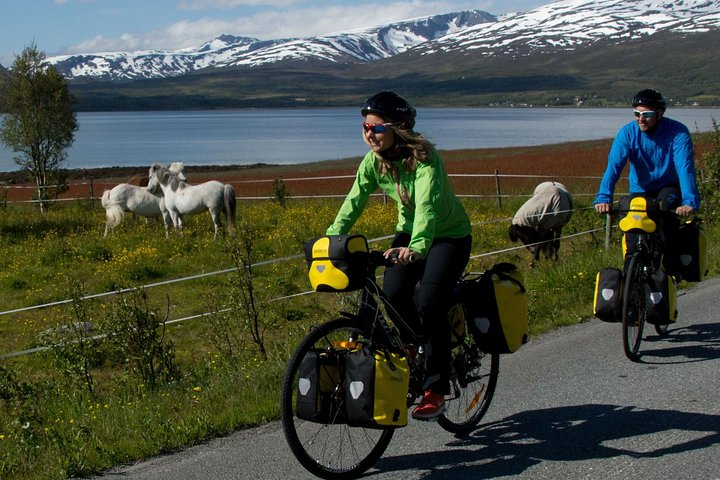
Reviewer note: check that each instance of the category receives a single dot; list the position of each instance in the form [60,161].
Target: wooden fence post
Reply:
[497,188]
[608,230]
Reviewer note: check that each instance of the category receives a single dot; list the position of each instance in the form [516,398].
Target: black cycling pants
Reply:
[435,277]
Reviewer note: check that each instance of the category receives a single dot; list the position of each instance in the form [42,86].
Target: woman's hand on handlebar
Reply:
[401,255]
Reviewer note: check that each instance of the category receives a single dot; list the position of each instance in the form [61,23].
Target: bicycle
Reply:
[329,447]
[639,267]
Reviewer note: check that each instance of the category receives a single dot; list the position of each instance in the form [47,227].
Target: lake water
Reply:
[292,136]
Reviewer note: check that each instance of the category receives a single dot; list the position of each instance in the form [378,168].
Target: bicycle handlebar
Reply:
[616,211]
[377,259]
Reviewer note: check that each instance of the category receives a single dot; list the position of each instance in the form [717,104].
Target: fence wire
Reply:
[257,264]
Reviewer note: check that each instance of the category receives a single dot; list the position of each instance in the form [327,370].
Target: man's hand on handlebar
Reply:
[603,207]
[401,255]
[684,211]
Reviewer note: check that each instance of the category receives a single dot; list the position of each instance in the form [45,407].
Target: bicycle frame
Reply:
[639,265]
[385,322]
[375,306]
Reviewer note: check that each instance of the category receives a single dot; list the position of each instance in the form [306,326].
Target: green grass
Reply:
[52,425]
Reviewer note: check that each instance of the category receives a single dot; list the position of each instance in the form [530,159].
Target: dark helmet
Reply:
[392,107]
[649,98]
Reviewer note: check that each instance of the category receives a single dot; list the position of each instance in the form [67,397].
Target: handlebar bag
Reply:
[661,294]
[692,251]
[376,387]
[496,309]
[639,213]
[337,263]
[319,397]
[607,304]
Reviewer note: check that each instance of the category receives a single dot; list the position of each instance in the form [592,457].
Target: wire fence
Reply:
[92,189]
[257,264]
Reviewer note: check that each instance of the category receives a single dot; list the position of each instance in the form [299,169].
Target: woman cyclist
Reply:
[433,234]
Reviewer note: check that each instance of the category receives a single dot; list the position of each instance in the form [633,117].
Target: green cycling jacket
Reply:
[427,205]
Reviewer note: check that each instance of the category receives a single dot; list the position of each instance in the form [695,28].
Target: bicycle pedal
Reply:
[427,420]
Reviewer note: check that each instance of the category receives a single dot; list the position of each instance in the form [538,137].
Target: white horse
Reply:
[182,198]
[130,198]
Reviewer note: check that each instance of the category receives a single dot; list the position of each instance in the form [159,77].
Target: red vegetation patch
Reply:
[579,165]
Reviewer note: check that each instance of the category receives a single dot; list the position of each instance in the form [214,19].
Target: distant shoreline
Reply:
[106,173]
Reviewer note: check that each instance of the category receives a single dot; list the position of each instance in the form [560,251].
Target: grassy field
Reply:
[192,355]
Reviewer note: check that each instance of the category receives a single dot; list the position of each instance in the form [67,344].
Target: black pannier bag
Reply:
[661,302]
[376,388]
[496,308]
[607,305]
[692,252]
[337,263]
[319,395]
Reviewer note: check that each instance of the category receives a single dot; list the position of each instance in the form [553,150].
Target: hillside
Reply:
[566,52]
[685,64]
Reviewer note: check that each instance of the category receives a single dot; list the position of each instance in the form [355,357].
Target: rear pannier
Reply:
[607,305]
[496,308]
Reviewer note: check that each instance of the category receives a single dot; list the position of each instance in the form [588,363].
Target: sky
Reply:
[59,27]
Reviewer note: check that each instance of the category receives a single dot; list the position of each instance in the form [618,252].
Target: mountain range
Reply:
[566,52]
[228,51]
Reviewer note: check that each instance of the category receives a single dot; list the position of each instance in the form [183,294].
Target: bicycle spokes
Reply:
[475,399]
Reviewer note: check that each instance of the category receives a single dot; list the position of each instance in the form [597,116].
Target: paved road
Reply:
[569,405]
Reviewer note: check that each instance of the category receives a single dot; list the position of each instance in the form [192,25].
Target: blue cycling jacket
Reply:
[658,160]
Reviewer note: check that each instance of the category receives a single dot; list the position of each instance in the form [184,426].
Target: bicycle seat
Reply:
[636,218]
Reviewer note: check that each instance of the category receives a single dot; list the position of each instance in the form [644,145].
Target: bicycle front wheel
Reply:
[326,446]
[633,310]
[472,383]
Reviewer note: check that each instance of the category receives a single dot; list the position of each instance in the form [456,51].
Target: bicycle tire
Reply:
[473,380]
[328,450]
[633,310]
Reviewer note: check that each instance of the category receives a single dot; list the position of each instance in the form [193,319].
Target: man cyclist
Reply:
[661,156]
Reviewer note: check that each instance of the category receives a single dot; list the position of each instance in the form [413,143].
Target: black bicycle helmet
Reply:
[649,98]
[392,107]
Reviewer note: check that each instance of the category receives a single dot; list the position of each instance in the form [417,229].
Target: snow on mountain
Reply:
[561,25]
[568,24]
[227,50]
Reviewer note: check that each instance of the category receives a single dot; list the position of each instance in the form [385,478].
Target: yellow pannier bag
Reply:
[607,303]
[496,308]
[662,299]
[319,375]
[376,388]
[337,263]
[693,250]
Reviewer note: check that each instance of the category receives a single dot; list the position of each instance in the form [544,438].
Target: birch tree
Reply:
[39,124]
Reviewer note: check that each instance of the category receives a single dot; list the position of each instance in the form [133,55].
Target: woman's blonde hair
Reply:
[411,146]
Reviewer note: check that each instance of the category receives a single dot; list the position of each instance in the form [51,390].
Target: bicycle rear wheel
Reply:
[633,310]
[472,384]
[327,447]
